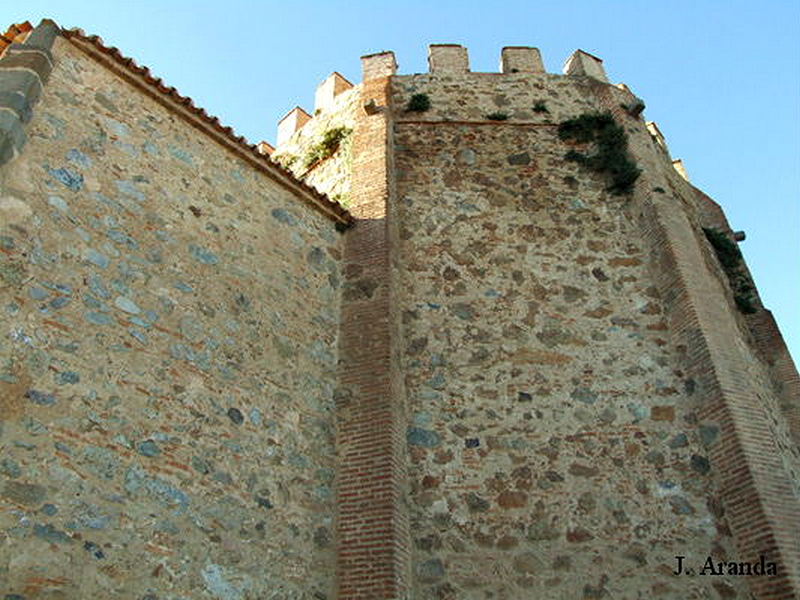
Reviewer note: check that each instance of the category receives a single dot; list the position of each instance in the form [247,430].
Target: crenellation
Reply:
[583,63]
[330,176]
[327,91]
[658,137]
[293,122]
[265,148]
[521,59]
[451,59]
[380,64]
[678,165]
[503,377]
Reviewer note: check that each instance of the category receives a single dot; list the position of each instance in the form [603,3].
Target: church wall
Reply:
[167,359]
[542,389]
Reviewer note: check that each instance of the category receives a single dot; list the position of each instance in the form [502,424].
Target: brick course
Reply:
[501,381]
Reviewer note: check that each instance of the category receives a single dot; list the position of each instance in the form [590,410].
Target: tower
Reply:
[582,364]
[458,335]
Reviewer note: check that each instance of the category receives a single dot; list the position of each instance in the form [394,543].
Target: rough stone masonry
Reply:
[488,377]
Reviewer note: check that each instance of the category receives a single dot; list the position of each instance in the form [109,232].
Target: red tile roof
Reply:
[14,33]
[168,96]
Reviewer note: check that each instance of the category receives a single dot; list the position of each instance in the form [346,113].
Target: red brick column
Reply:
[372,519]
[767,337]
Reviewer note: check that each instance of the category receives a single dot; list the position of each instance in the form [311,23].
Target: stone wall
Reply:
[167,359]
[549,387]
[475,96]
[332,174]
[755,463]
[553,442]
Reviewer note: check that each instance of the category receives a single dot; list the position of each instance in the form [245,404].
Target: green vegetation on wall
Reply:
[610,156]
[327,147]
[730,257]
[418,103]
[343,199]
[285,160]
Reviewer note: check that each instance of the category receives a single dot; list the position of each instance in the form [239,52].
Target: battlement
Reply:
[521,59]
[381,64]
[443,60]
[453,59]
[424,343]
[677,164]
[583,63]
[448,58]
[327,91]
[291,123]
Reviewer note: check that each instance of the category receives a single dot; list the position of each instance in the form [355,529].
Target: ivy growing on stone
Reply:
[730,257]
[610,156]
[726,249]
[286,160]
[327,147]
[418,103]
[343,199]
[744,302]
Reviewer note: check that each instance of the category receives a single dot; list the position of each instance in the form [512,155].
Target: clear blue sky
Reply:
[722,79]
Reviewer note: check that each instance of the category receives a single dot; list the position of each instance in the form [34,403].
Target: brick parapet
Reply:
[372,519]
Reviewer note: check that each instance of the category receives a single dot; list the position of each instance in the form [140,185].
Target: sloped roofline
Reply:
[169,97]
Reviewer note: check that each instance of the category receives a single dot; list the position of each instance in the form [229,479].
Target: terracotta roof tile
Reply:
[15,33]
[141,76]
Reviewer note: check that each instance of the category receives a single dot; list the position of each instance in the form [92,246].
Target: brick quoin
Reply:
[372,525]
[748,469]
[754,484]
[747,385]
[752,481]
[766,337]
